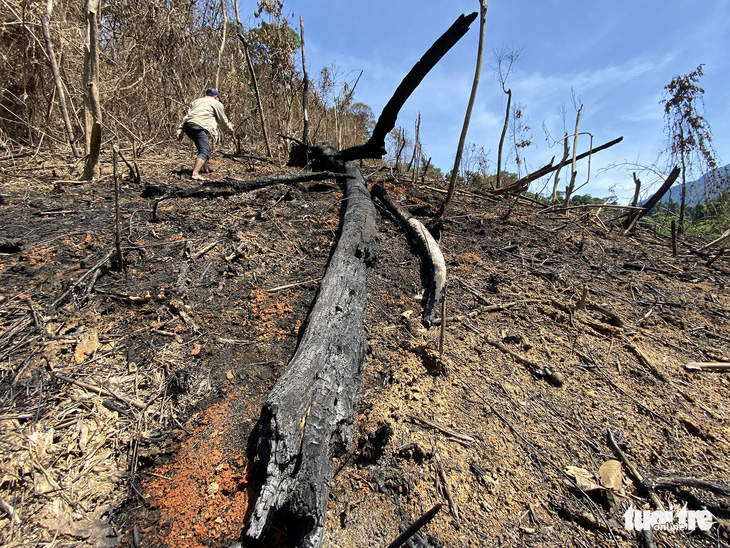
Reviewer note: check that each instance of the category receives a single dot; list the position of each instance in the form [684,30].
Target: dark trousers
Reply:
[200,138]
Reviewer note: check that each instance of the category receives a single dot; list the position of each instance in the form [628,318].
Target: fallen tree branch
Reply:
[555,378]
[83,278]
[430,251]
[522,184]
[102,391]
[672,482]
[463,438]
[708,366]
[632,470]
[231,186]
[632,219]
[445,486]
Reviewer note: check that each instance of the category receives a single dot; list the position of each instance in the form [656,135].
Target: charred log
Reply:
[308,417]
[231,186]
[430,252]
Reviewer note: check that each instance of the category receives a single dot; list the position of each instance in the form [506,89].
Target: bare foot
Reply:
[198,178]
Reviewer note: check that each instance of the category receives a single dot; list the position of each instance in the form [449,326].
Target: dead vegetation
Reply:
[128,401]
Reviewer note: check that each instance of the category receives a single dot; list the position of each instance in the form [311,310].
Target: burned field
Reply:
[130,395]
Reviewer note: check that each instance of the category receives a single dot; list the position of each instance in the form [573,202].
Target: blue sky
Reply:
[617,57]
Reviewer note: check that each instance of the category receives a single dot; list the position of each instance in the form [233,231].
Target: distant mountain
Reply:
[706,187]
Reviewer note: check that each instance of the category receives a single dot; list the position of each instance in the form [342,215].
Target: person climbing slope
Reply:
[202,120]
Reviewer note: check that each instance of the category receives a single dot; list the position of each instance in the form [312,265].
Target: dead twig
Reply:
[447,431]
[671,482]
[10,511]
[632,470]
[203,251]
[546,371]
[82,279]
[445,486]
[415,526]
[102,391]
[708,366]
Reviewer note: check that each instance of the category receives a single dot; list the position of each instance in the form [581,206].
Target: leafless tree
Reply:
[505,59]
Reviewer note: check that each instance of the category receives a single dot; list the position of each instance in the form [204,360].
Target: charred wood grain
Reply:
[308,417]
[430,251]
[375,147]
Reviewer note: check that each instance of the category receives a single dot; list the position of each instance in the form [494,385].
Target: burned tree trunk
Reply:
[634,217]
[430,252]
[308,418]
[309,415]
[375,147]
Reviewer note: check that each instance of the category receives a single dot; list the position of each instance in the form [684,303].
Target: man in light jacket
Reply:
[203,118]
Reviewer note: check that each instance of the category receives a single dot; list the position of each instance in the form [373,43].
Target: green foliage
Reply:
[688,131]
[690,138]
[586,199]
[707,220]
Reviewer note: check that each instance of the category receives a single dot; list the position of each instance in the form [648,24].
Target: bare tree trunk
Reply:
[46,23]
[637,189]
[223,43]
[501,138]
[401,146]
[414,156]
[683,193]
[243,40]
[566,151]
[92,107]
[305,89]
[573,172]
[632,219]
[470,106]
[308,417]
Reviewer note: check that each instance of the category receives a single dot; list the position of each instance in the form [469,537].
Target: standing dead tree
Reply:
[46,24]
[252,71]
[505,60]
[634,217]
[470,105]
[92,106]
[305,88]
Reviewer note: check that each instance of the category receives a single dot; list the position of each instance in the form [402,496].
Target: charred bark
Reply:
[522,184]
[634,217]
[430,252]
[308,417]
[375,147]
[231,186]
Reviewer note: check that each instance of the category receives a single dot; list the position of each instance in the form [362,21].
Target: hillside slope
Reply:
[127,409]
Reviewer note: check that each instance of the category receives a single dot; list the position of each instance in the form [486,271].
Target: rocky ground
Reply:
[129,394]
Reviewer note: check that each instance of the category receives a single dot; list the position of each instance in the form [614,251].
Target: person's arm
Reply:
[220,113]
